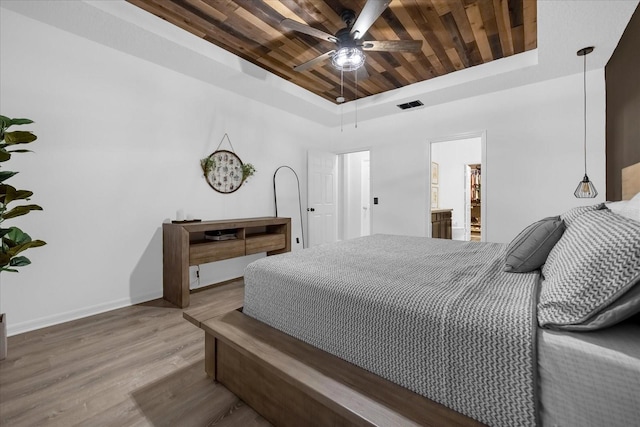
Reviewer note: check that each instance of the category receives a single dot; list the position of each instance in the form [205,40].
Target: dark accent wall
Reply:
[622,74]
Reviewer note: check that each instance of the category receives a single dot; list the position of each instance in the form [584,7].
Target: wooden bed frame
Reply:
[292,383]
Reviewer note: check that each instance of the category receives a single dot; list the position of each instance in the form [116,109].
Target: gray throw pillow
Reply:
[595,263]
[529,250]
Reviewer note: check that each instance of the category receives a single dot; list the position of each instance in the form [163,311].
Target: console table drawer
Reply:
[202,253]
[264,243]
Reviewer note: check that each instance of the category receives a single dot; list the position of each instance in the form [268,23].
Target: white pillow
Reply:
[632,208]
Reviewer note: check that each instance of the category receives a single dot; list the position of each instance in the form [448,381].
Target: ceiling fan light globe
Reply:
[348,59]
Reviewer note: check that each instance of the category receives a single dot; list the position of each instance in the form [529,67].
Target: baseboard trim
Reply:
[43,322]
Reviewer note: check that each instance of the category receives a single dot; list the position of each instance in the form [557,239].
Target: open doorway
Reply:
[355,187]
[456,189]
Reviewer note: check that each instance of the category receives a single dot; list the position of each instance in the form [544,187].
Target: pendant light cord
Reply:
[584,88]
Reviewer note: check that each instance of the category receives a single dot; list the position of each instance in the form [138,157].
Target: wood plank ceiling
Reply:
[455,34]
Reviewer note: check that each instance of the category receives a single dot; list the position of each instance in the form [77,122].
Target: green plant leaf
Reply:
[4,175]
[32,244]
[17,241]
[8,245]
[19,261]
[8,194]
[21,121]
[16,249]
[20,210]
[19,137]
[5,122]
[13,239]
[17,236]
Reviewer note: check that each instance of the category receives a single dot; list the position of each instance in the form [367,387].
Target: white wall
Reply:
[118,153]
[534,156]
[452,157]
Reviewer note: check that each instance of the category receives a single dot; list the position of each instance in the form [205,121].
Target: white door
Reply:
[322,208]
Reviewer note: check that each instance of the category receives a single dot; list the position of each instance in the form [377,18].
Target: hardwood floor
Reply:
[137,366]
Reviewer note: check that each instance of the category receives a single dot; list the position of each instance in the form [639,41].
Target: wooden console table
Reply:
[184,244]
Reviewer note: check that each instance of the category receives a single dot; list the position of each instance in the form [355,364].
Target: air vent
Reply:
[408,105]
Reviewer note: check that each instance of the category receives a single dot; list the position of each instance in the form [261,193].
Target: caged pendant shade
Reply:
[585,188]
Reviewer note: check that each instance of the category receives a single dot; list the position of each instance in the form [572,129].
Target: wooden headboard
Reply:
[630,181]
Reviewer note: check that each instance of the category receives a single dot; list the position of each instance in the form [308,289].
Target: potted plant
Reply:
[14,240]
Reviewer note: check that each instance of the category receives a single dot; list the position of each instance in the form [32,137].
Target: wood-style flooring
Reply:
[137,366]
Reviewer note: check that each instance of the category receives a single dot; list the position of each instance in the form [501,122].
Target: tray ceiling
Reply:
[455,34]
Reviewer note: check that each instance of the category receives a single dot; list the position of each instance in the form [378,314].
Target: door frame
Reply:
[483,178]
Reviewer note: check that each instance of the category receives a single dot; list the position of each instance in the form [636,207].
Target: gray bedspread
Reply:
[438,317]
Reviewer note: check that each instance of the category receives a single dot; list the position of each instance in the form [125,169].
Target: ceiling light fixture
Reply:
[348,59]
[585,189]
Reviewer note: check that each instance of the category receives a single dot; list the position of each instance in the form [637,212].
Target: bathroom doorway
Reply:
[456,191]
[355,190]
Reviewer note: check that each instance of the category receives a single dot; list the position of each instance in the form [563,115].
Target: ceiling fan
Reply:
[350,47]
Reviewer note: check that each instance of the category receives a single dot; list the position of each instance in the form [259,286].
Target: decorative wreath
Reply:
[224,171]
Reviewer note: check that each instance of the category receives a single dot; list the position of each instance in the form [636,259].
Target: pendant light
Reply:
[585,189]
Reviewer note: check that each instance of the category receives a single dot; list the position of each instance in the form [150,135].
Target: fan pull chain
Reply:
[342,98]
[356,100]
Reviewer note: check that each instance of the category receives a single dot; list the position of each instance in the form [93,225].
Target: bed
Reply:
[464,350]
[438,317]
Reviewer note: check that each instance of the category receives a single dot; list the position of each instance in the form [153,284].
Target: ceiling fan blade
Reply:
[393,45]
[302,28]
[370,12]
[314,61]
[362,73]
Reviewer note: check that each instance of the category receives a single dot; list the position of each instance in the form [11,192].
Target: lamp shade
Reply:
[585,189]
